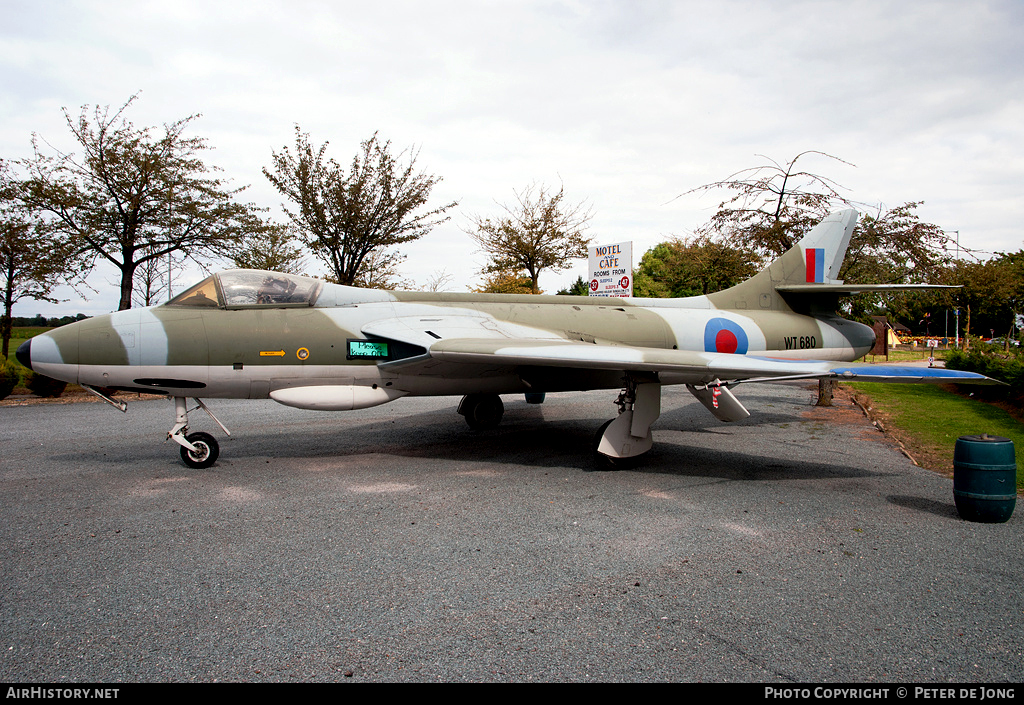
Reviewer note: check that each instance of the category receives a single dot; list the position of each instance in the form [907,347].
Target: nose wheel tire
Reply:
[208,450]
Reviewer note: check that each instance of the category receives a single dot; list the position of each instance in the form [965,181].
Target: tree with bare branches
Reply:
[773,205]
[440,280]
[539,231]
[155,279]
[893,246]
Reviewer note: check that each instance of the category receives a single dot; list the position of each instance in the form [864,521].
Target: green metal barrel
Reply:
[984,478]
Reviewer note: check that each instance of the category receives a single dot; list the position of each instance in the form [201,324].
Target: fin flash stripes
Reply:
[815,265]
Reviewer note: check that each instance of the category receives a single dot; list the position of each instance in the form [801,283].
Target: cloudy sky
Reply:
[626,104]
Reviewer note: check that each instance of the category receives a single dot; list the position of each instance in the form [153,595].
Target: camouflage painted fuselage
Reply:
[223,348]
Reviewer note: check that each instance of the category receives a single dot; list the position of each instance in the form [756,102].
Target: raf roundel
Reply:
[725,336]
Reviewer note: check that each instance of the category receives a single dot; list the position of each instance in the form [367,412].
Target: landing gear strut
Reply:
[621,442]
[198,450]
[482,411]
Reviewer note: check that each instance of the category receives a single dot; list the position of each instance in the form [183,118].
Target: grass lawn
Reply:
[19,334]
[929,419]
[25,332]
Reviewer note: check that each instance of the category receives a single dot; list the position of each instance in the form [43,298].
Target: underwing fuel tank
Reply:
[335,397]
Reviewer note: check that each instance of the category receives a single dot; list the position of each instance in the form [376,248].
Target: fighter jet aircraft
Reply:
[310,344]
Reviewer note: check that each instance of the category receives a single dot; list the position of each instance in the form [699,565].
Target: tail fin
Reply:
[811,265]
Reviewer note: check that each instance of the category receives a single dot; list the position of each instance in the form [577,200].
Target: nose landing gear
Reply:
[198,450]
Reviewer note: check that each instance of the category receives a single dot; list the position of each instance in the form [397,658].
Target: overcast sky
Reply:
[626,104]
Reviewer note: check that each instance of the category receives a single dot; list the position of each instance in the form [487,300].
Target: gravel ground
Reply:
[394,544]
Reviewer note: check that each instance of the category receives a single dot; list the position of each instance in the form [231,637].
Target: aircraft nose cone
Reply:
[24,353]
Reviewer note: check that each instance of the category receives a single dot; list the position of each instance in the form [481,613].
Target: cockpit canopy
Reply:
[244,288]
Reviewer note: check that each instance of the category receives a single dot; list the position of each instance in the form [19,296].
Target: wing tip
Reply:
[934,375]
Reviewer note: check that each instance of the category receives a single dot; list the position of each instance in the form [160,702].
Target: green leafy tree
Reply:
[577,288]
[345,217]
[134,195]
[1014,263]
[893,246]
[692,267]
[539,231]
[508,282]
[991,292]
[32,261]
[276,250]
[380,271]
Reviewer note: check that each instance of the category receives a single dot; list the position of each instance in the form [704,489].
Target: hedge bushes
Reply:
[1005,366]
[43,386]
[8,377]
[40,385]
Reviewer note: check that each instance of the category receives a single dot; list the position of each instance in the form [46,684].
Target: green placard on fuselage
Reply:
[367,350]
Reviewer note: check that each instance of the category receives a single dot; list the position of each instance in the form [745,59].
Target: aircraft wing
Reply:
[688,366]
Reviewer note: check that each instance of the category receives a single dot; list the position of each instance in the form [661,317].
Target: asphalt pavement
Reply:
[395,544]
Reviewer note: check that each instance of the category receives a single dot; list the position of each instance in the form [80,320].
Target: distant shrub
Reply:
[8,377]
[43,386]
